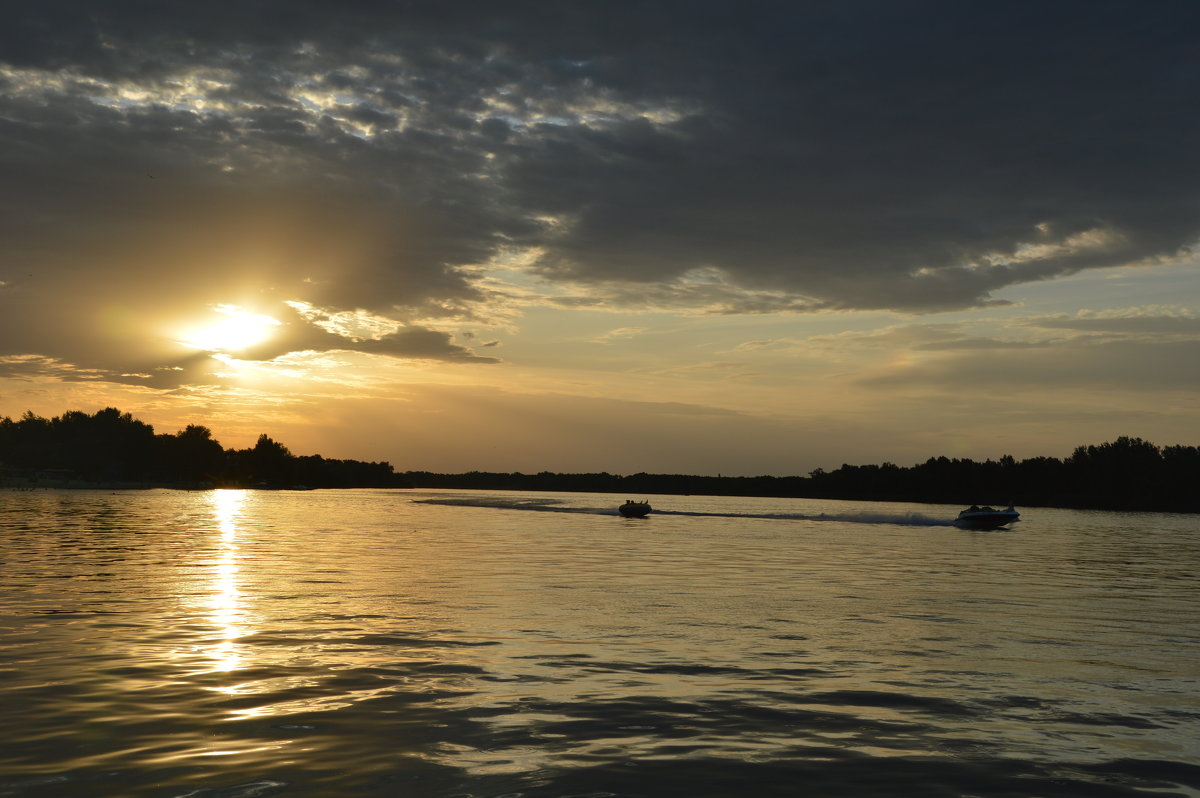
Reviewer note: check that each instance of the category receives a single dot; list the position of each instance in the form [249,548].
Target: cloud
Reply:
[1133,349]
[1159,323]
[360,331]
[27,367]
[1126,365]
[620,333]
[390,159]
[978,343]
[916,337]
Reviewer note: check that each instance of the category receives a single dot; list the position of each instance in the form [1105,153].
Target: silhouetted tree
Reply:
[1123,474]
[191,455]
[268,462]
[113,446]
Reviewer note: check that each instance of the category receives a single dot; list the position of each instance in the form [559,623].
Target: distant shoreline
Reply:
[111,450]
[991,483]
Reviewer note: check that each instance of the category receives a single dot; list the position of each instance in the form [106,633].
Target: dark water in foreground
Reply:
[234,644]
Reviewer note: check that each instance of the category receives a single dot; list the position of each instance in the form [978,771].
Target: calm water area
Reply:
[237,644]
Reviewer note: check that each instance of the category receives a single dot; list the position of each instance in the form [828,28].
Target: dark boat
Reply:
[986,517]
[632,509]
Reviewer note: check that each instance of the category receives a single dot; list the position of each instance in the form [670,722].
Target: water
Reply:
[232,644]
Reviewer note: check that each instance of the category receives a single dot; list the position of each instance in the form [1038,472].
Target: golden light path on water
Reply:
[227,614]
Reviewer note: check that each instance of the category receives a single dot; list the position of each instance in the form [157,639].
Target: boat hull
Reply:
[634,509]
[985,521]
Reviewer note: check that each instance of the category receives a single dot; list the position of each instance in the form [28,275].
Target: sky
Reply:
[695,237]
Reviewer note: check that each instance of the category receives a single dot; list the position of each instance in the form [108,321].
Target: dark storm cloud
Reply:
[917,156]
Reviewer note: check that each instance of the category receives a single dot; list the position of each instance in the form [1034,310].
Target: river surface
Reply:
[238,644]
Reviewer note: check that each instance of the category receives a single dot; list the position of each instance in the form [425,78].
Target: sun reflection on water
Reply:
[227,613]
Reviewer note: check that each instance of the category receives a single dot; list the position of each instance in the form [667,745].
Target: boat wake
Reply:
[901,519]
[557,506]
[535,505]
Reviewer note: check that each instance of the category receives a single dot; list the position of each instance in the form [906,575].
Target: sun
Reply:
[237,330]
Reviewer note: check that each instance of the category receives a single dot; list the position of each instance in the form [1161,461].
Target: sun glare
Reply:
[237,330]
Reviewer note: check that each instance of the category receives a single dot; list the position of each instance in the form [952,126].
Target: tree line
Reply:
[1125,474]
[111,447]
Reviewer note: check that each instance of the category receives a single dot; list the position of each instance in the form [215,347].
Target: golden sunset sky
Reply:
[705,237]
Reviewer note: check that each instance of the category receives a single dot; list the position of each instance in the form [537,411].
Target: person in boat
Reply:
[631,507]
[974,508]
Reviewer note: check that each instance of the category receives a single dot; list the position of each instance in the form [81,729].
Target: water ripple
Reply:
[211,645]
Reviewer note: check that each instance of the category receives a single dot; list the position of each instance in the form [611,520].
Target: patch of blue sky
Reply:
[1118,287]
